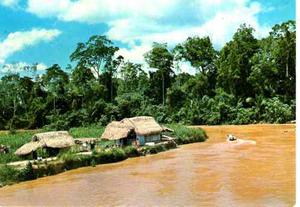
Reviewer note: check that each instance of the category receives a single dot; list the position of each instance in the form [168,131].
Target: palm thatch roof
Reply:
[28,148]
[117,130]
[56,139]
[144,125]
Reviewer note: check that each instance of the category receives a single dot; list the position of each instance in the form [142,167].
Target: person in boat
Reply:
[231,138]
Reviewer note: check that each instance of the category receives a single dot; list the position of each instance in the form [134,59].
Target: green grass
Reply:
[87,132]
[185,135]
[14,141]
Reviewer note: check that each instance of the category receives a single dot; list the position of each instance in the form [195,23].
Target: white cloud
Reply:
[186,67]
[135,53]
[146,21]
[9,3]
[19,67]
[220,28]
[96,11]
[41,66]
[18,41]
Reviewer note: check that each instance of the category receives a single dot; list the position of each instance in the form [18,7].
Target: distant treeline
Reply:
[247,81]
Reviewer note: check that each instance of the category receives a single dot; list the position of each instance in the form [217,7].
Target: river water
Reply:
[201,174]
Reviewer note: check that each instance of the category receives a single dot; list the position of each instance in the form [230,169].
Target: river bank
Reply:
[14,172]
[199,174]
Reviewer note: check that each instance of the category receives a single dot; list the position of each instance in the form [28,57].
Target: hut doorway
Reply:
[52,151]
[130,139]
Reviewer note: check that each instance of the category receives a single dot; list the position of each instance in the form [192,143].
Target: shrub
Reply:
[70,159]
[244,115]
[185,135]
[276,111]
[8,175]
[118,154]
[131,151]
[93,163]
[154,149]
[108,156]
[26,173]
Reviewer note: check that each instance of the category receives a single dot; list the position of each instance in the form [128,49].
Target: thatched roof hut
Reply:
[117,130]
[28,148]
[56,139]
[144,125]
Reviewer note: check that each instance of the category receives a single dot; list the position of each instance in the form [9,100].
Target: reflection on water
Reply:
[202,174]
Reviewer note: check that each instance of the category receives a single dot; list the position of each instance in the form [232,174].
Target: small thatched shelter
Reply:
[120,132]
[57,139]
[144,125]
[28,148]
[146,129]
[116,130]
[142,129]
[52,141]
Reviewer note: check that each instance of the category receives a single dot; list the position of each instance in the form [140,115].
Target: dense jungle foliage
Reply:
[249,80]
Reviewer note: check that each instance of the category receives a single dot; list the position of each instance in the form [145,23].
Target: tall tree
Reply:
[11,94]
[198,51]
[284,39]
[234,65]
[274,70]
[160,58]
[97,54]
[130,73]
[54,82]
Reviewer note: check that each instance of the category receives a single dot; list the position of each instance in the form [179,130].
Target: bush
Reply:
[244,116]
[109,156]
[275,111]
[185,135]
[154,149]
[8,175]
[131,151]
[26,173]
[93,163]
[118,154]
[159,112]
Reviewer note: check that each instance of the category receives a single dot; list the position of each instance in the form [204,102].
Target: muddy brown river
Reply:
[202,174]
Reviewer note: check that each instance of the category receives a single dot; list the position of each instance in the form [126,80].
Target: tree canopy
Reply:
[248,80]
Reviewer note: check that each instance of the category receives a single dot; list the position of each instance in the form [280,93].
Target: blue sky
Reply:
[47,31]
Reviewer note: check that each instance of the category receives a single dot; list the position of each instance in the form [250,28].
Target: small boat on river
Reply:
[237,141]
